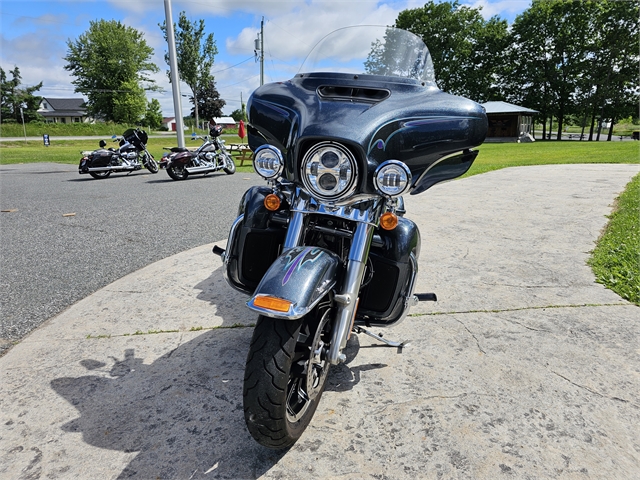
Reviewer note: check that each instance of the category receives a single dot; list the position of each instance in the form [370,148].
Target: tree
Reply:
[239,114]
[208,103]
[195,56]
[575,58]
[110,62]
[14,98]
[466,50]
[548,58]
[153,115]
[612,71]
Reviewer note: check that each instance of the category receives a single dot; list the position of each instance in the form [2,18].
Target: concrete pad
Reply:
[510,374]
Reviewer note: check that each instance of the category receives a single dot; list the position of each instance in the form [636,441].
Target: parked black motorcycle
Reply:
[211,156]
[324,250]
[131,155]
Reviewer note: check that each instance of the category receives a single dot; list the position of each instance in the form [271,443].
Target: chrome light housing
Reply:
[329,171]
[392,178]
[268,161]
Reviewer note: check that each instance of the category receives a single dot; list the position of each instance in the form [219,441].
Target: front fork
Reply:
[347,299]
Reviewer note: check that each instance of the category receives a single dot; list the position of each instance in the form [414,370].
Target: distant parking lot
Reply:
[120,224]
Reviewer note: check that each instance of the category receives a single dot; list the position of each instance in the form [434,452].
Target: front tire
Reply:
[230,168]
[151,164]
[285,376]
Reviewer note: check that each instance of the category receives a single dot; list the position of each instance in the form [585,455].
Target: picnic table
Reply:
[243,149]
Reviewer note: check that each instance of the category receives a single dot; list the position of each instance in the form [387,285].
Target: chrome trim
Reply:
[279,156]
[294,231]
[112,168]
[303,202]
[351,286]
[402,165]
[350,188]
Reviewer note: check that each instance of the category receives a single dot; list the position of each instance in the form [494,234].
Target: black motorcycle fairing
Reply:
[256,243]
[406,120]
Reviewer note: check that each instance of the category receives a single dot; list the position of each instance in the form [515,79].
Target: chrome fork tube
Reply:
[294,231]
[347,300]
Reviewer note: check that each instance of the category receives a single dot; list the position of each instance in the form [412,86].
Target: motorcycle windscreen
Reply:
[296,282]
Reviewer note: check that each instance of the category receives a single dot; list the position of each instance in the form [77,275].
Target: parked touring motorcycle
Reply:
[131,155]
[211,156]
[324,251]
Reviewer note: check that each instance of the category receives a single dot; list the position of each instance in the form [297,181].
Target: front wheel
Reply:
[151,163]
[285,376]
[230,166]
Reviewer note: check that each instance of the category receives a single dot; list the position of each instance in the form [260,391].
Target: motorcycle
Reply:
[211,156]
[324,250]
[131,155]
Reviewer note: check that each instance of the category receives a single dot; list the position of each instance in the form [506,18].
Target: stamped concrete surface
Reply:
[524,368]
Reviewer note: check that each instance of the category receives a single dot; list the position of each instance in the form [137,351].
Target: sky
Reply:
[34,36]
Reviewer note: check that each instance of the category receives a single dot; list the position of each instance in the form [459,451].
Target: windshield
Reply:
[373,50]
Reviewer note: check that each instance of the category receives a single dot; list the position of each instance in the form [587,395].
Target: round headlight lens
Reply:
[268,161]
[392,178]
[329,170]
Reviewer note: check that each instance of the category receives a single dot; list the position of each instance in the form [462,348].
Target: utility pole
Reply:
[259,47]
[175,78]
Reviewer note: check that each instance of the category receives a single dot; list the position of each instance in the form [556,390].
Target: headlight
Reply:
[268,161]
[392,178]
[329,170]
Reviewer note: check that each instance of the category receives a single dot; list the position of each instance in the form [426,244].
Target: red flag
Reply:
[241,131]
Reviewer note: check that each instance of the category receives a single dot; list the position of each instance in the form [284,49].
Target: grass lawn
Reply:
[616,259]
[493,156]
[68,151]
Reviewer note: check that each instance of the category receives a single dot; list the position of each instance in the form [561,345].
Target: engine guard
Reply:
[297,280]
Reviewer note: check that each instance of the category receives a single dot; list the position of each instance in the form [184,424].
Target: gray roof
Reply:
[504,107]
[65,103]
[64,107]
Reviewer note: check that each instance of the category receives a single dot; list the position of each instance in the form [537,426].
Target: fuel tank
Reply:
[377,118]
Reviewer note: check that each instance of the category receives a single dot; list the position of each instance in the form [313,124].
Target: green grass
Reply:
[616,259]
[68,151]
[494,156]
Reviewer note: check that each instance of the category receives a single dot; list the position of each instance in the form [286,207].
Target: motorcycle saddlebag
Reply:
[182,157]
[100,158]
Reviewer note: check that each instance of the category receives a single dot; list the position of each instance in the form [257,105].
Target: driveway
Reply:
[524,368]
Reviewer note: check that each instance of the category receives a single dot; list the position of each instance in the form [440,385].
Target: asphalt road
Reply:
[120,224]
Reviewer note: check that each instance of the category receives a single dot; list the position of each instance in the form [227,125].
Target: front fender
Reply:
[301,276]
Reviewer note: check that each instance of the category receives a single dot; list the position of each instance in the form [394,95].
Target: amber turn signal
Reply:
[272,202]
[272,303]
[388,221]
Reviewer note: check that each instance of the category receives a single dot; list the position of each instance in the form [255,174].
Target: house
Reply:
[509,123]
[64,110]
[226,122]
[169,123]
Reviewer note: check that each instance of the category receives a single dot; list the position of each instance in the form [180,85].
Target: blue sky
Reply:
[34,34]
